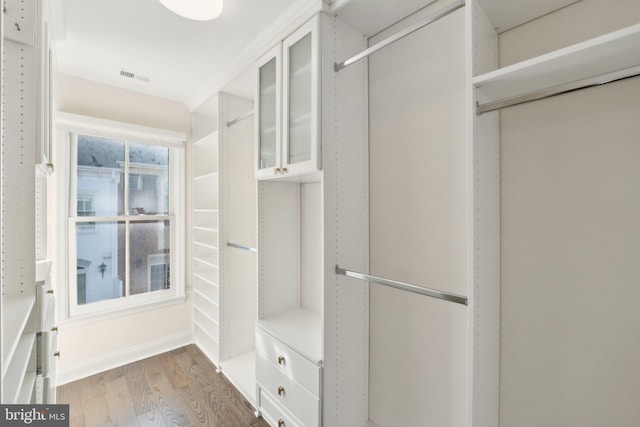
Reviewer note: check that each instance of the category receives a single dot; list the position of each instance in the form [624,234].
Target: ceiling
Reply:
[96,39]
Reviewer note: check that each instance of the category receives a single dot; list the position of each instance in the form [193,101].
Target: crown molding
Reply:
[293,17]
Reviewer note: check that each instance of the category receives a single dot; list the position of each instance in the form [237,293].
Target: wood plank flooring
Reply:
[179,389]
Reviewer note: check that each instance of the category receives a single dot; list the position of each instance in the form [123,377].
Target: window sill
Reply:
[82,319]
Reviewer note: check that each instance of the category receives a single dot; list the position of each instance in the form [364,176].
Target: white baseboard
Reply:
[121,358]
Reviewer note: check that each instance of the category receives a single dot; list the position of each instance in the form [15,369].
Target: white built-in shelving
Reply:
[517,336]
[600,56]
[238,290]
[205,244]
[312,215]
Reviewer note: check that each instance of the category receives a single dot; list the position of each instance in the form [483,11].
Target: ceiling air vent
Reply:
[130,75]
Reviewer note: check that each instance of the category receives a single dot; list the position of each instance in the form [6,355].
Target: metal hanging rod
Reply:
[433,293]
[239,119]
[559,90]
[243,247]
[384,43]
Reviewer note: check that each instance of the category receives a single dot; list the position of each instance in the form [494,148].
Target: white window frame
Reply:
[71,125]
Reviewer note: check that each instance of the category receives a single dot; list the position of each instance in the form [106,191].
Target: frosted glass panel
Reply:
[300,100]
[268,115]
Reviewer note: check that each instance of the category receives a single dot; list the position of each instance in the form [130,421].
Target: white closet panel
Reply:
[418,208]
[570,240]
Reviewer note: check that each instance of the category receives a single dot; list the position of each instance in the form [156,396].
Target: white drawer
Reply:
[49,349]
[273,413]
[287,392]
[289,361]
[45,308]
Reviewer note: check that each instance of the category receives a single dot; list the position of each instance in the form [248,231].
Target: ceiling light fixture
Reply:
[198,10]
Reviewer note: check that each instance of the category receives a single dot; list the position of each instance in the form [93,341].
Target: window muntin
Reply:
[131,220]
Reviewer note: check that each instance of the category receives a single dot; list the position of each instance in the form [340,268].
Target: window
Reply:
[85,208]
[125,213]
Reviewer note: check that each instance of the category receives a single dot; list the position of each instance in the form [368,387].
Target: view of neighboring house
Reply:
[102,262]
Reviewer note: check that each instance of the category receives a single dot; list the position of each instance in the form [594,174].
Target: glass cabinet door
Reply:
[300,109]
[268,118]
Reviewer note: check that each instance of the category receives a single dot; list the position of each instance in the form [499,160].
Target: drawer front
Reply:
[45,309]
[49,349]
[289,361]
[273,413]
[288,393]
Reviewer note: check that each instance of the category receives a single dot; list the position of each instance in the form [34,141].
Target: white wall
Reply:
[90,347]
[418,226]
[570,168]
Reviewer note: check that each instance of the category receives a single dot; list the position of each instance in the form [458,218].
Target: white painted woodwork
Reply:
[273,413]
[569,234]
[300,329]
[238,290]
[610,52]
[278,100]
[18,195]
[307,223]
[418,210]
[287,392]
[290,362]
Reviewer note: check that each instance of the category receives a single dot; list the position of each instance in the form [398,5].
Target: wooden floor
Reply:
[179,388]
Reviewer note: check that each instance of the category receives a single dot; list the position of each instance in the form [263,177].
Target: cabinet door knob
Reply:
[280,391]
[50,166]
[57,354]
[50,291]
[280,422]
[284,170]
[276,171]
[54,329]
[280,360]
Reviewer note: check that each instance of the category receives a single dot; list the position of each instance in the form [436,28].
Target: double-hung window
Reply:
[125,218]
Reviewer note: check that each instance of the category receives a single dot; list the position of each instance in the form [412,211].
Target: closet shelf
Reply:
[205,245]
[204,313]
[205,176]
[27,387]
[204,279]
[301,329]
[14,372]
[200,228]
[207,263]
[241,372]
[203,210]
[42,269]
[206,298]
[600,56]
[16,313]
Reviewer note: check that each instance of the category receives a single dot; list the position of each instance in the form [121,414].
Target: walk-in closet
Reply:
[377,214]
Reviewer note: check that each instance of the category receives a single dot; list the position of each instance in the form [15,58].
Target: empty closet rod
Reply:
[384,43]
[243,247]
[433,293]
[239,119]
[559,90]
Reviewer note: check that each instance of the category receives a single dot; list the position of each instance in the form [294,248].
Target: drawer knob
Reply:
[54,329]
[280,391]
[50,291]
[280,422]
[57,354]
[280,360]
